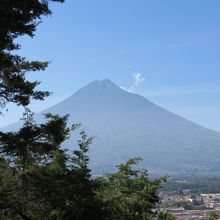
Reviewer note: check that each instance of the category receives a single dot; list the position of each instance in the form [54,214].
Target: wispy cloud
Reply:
[138,78]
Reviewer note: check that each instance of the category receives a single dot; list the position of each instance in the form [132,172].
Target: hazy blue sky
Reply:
[171,48]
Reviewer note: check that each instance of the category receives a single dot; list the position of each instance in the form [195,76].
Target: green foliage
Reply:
[192,184]
[39,180]
[165,216]
[18,18]
[213,215]
[128,193]
[33,144]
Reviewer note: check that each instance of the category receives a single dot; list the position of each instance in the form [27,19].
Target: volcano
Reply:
[127,125]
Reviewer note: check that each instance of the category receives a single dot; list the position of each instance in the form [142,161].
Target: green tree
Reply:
[18,18]
[128,193]
[39,180]
[26,156]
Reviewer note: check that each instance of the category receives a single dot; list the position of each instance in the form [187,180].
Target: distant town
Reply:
[193,206]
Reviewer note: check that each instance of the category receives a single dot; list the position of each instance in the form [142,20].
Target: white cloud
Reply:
[138,78]
[129,66]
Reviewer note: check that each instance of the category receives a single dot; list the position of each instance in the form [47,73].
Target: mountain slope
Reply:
[127,125]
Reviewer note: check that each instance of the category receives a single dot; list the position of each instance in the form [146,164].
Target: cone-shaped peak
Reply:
[104,84]
[100,87]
